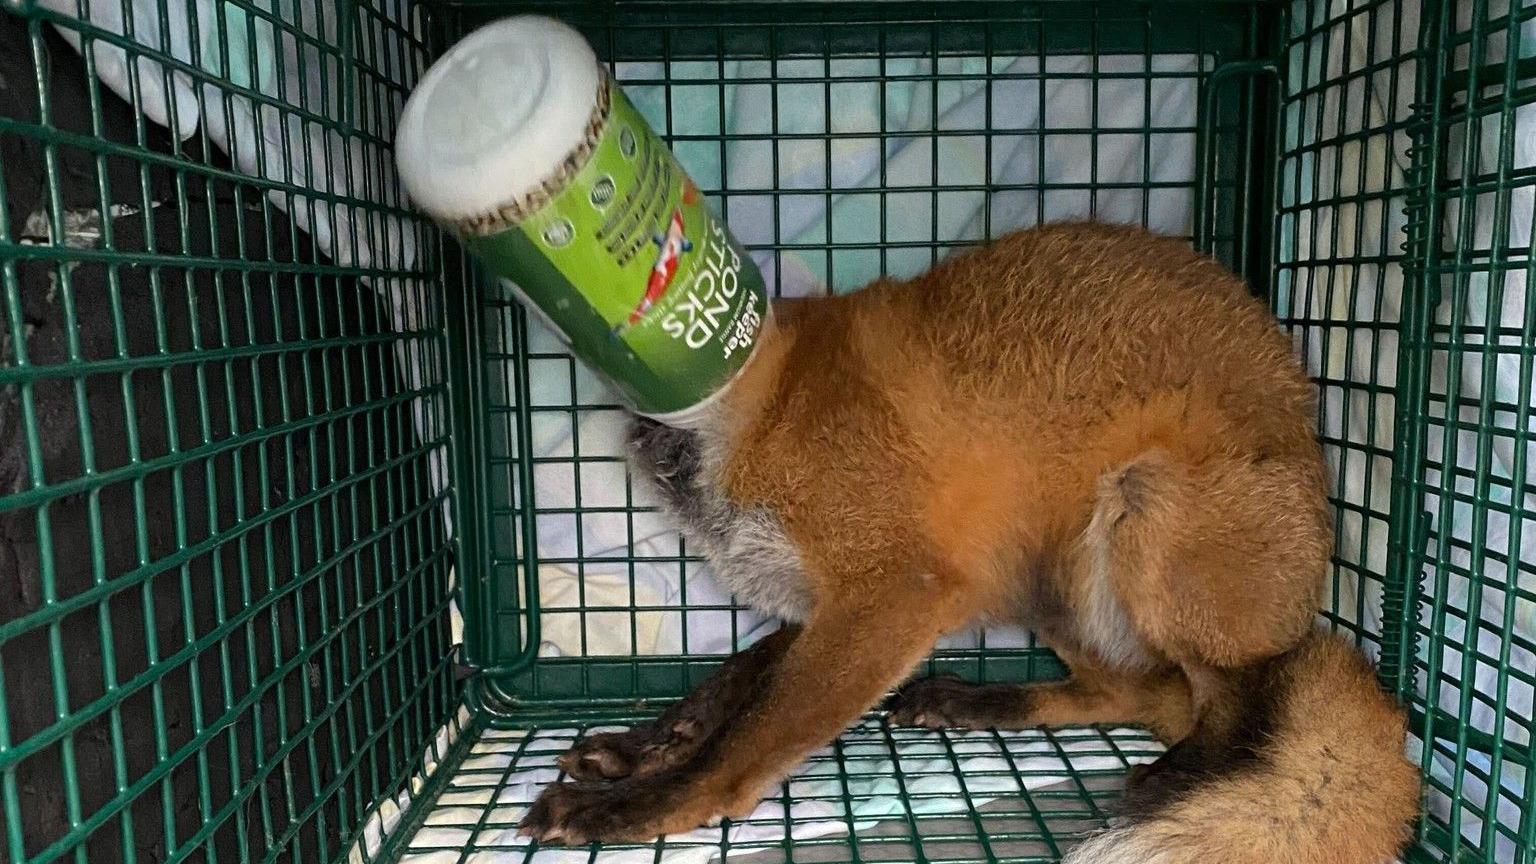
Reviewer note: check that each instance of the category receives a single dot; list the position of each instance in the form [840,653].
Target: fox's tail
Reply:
[1325,783]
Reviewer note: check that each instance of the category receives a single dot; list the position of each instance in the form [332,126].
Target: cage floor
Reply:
[877,794]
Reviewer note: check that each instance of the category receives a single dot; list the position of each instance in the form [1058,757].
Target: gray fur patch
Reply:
[747,547]
[1102,622]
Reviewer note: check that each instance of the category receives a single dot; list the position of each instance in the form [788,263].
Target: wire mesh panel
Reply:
[1403,239]
[876,794]
[1341,197]
[841,142]
[1475,670]
[224,548]
[226,444]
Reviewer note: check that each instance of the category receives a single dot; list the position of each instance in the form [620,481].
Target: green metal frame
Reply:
[230,497]
[933,822]
[1423,628]
[1226,37]
[225,632]
[1469,758]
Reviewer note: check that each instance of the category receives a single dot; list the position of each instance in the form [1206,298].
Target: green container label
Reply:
[628,262]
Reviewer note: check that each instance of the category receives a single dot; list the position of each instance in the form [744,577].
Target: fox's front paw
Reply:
[576,813]
[636,752]
[627,811]
[606,755]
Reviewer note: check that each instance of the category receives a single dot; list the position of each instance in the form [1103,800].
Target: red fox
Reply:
[1090,430]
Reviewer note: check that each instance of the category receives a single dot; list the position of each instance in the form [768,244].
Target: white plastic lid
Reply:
[495,116]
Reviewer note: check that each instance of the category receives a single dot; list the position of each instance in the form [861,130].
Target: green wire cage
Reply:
[314,548]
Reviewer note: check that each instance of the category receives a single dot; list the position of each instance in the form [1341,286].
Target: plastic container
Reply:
[519,143]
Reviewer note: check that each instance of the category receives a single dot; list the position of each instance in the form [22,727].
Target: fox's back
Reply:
[1077,342]
[978,405]
[1089,321]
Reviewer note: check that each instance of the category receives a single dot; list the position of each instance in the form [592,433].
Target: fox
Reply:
[1086,429]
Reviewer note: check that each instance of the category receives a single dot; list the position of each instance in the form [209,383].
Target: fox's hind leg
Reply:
[1218,567]
[1093,694]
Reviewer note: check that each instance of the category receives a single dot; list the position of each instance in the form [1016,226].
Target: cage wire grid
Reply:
[211,460]
[828,196]
[1479,590]
[876,794]
[227,402]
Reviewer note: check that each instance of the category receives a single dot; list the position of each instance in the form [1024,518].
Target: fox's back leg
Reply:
[1219,564]
[1218,567]
[1094,694]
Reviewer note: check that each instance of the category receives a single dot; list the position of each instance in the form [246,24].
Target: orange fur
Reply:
[1090,429]
[1331,785]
